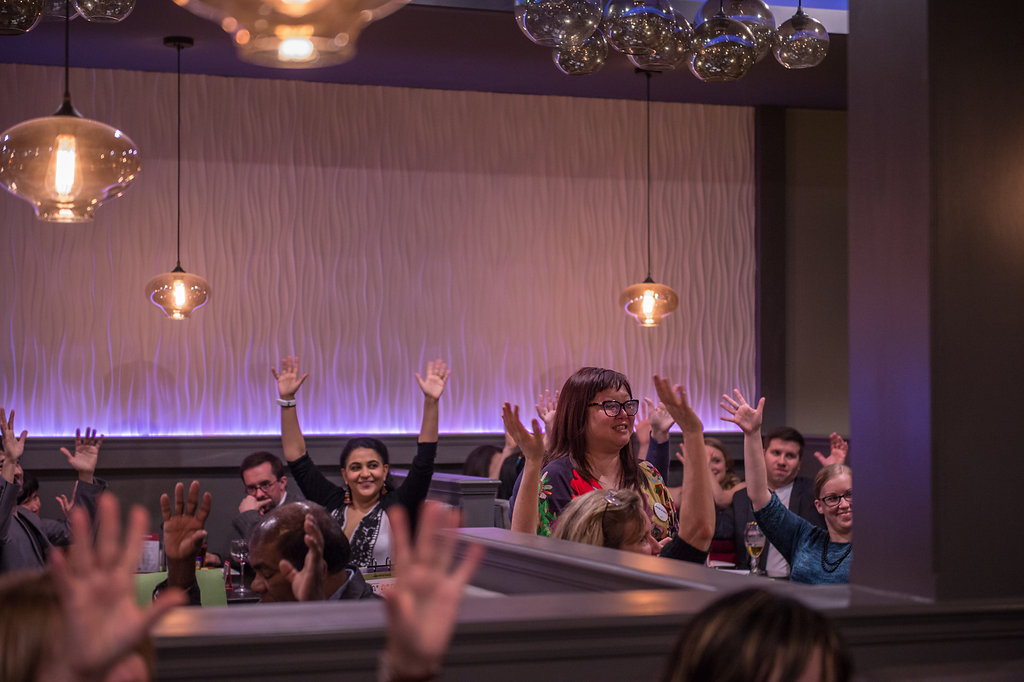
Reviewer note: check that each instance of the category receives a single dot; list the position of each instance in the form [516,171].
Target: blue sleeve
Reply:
[781,527]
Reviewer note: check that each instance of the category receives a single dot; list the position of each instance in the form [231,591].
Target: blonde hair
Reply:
[827,474]
[604,518]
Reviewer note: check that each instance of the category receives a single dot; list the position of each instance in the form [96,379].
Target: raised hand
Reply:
[436,377]
[65,504]
[87,452]
[677,404]
[13,446]
[424,601]
[308,584]
[839,450]
[185,522]
[102,623]
[547,406]
[660,420]
[741,413]
[532,444]
[290,378]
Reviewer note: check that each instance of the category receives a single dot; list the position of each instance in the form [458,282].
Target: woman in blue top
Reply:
[816,556]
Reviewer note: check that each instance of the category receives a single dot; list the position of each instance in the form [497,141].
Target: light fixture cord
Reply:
[179,48]
[67,54]
[648,75]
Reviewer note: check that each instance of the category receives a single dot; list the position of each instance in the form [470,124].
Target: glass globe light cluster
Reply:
[726,38]
[21,16]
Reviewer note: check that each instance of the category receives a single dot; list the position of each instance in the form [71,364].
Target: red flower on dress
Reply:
[579,486]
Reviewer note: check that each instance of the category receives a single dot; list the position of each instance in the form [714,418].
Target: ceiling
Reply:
[423,46]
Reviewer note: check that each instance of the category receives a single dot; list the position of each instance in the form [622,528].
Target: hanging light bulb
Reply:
[637,26]
[19,16]
[649,301]
[66,165]
[803,41]
[723,49]
[177,292]
[105,11]
[293,34]
[754,14]
[558,23]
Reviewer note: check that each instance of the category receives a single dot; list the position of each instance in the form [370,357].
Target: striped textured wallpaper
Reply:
[369,229]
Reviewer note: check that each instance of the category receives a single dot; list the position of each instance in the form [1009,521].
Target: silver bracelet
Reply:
[285,403]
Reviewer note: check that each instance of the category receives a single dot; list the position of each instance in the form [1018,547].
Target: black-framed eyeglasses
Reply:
[613,407]
[262,485]
[833,500]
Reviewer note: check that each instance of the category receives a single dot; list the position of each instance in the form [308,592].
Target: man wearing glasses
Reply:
[265,489]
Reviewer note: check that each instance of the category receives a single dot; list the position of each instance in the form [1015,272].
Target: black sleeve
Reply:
[677,548]
[314,485]
[414,488]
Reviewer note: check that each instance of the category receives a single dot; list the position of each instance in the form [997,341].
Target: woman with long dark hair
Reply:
[590,449]
[359,506]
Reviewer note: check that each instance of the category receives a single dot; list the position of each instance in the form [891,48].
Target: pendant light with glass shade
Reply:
[19,16]
[178,293]
[66,165]
[649,301]
[293,34]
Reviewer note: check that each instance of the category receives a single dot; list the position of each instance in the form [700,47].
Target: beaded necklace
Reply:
[831,566]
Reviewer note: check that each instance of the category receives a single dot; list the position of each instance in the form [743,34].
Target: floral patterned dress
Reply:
[560,483]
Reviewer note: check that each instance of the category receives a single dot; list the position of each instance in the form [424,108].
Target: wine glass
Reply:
[754,539]
[240,553]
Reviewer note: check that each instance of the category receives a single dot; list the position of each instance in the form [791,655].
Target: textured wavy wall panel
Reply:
[369,229]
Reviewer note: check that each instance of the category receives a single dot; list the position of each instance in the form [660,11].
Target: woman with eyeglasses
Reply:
[359,506]
[590,449]
[816,556]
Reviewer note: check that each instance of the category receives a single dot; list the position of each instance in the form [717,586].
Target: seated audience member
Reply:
[299,553]
[724,481]
[696,518]
[266,487]
[26,539]
[608,518]
[368,491]
[478,461]
[28,498]
[816,556]
[783,448]
[79,622]
[278,547]
[756,636]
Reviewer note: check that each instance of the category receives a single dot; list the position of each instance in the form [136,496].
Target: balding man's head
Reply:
[281,536]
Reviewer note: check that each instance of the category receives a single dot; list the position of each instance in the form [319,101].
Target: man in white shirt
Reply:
[783,449]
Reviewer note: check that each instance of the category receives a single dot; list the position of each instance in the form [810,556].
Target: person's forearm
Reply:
[697,524]
[755,470]
[181,572]
[525,515]
[9,469]
[292,442]
[431,415]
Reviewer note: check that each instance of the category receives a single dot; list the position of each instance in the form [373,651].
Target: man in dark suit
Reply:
[266,488]
[26,539]
[782,452]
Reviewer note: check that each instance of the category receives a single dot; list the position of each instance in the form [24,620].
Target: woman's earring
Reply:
[348,497]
